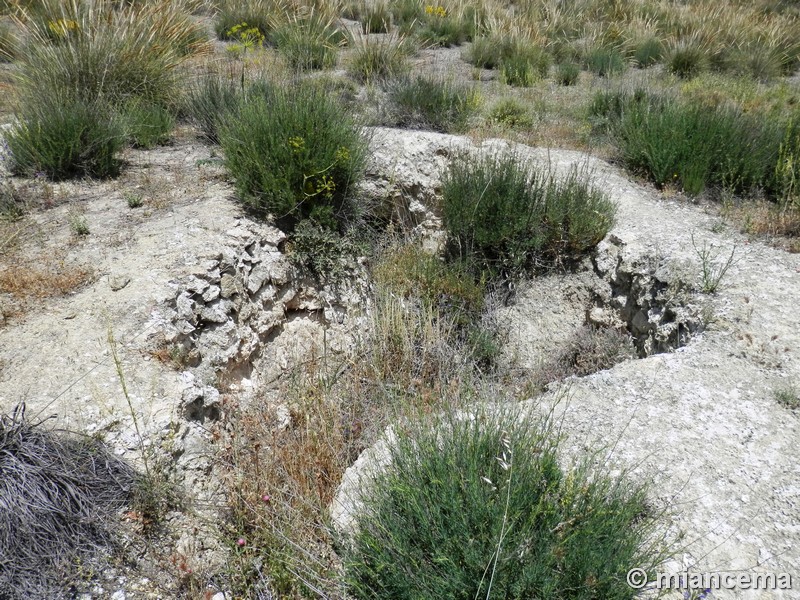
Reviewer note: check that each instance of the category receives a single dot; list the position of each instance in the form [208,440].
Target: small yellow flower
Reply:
[342,154]
[62,27]
[437,11]
[297,143]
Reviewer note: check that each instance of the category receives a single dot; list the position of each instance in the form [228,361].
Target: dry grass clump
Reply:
[60,497]
[27,281]
[780,224]
[589,350]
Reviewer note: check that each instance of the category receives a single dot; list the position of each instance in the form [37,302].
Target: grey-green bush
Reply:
[208,100]
[65,140]
[427,103]
[476,506]
[146,125]
[504,216]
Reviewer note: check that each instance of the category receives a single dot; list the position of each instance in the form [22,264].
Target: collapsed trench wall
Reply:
[247,312]
[648,296]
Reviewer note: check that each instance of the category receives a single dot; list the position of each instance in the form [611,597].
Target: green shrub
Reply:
[425,103]
[687,60]
[253,13]
[294,153]
[308,44]
[376,59]
[523,65]
[147,125]
[567,74]
[66,139]
[607,106]
[208,101]
[648,53]
[511,112]
[479,506]
[605,62]
[504,216]
[694,145]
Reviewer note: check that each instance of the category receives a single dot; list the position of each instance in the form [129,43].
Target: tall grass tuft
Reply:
[605,62]
[295,154]
[436,104]
[687,60]
[504,216]
[379,59]
[91,70]
[648,53]
[475,506]
[309,42]
[207,102]
[91,50]
[8,43]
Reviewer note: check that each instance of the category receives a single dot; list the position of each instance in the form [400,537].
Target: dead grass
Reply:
[780,226]
[28,281]
[284,463]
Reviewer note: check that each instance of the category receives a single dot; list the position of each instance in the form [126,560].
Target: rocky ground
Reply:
[203,304]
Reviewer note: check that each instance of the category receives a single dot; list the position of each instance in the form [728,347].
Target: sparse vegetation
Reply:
[712,271]
[590,349]
[788,397]
[567,74]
